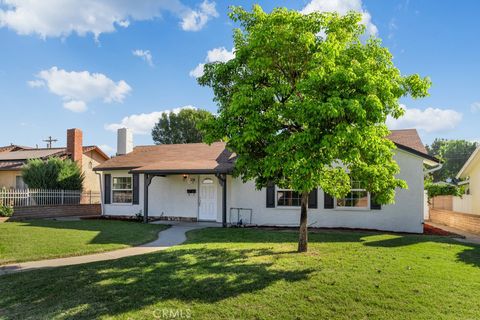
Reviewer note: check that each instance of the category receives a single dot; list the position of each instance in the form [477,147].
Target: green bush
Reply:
[6,211]
[436,189]
[55,173]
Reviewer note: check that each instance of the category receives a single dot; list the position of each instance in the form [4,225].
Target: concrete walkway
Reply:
[174,235]
[469,237]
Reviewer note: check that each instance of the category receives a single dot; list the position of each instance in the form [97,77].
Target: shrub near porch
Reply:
[255,274]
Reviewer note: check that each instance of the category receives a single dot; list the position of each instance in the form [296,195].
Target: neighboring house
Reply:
[194,182]
[13,158]
[470,174]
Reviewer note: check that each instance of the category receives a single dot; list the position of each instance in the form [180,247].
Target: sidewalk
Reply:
[469,237]
[174,235]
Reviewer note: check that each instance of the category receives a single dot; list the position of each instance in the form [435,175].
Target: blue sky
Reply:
[76,55]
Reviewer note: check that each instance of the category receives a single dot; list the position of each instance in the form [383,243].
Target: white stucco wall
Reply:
[168,197]
[405,215]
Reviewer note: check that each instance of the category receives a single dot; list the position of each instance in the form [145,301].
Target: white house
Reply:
[193,182]
[470,173]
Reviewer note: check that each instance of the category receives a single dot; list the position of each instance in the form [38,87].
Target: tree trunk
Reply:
[303,237]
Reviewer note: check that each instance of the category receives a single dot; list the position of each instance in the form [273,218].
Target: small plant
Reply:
[139,216]
[6,211]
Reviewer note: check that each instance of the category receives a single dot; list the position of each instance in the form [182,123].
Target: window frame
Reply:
[112,189]
[366,208]
[284,206]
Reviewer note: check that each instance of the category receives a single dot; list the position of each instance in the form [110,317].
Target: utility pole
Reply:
[49,141]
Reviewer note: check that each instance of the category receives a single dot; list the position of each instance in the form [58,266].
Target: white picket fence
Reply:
[40,197]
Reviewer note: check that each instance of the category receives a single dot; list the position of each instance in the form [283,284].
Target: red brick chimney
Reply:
[75,145]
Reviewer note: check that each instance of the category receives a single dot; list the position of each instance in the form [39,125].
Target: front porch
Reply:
[186,196]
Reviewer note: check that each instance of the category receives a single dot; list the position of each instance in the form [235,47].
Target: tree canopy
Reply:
[54,173]
[453,154]
[304,102]
[181,127]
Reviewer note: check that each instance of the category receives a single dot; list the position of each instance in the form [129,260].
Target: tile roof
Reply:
[31,154]
[200,157]
[14,160]
[13,147]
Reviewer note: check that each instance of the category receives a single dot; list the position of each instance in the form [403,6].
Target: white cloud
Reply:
[475,107]
[142,123]
[75,105]
[78,88]
[36,83]
[146,55]
[195,20]
[428,120]
[215,55]
[342,7]
[60,18]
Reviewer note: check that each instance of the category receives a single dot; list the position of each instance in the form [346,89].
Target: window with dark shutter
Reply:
[108,188]
[373,203]
[271,196]
[328,202]
[313,199]
[136,188]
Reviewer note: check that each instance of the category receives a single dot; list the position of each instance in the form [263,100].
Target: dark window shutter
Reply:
[108,188]
[327,201]
[313,199]
[270,196]
[135,188]
[373,204]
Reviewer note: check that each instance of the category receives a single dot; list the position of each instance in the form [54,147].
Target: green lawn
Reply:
[41,239]
[253,274]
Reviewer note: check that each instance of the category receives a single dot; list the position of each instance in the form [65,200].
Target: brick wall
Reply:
[56,211]
[463,221]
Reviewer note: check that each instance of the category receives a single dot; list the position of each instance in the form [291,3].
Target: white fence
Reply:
[40,197]
[463,204]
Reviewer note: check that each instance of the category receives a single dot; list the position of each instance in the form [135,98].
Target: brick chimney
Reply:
[75,145]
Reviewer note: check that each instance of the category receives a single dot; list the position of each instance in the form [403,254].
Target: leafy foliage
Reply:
[453,154]
[54,173]
[6,211]
[304,102]
[443,189]
[180,128]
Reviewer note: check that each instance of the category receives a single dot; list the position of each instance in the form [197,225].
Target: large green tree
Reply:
[304,102]
[181,127]
[453,154]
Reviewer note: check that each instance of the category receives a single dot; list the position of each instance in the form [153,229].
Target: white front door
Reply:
[208,199]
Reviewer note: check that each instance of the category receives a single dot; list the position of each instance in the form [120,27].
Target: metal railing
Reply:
[41,197]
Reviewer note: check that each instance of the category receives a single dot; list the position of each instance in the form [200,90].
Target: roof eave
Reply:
[113,168]
[467,164]
[183,171]
[430,160]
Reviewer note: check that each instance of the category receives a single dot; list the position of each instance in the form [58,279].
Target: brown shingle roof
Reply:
[408,138]
[184,158]
[200,157]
